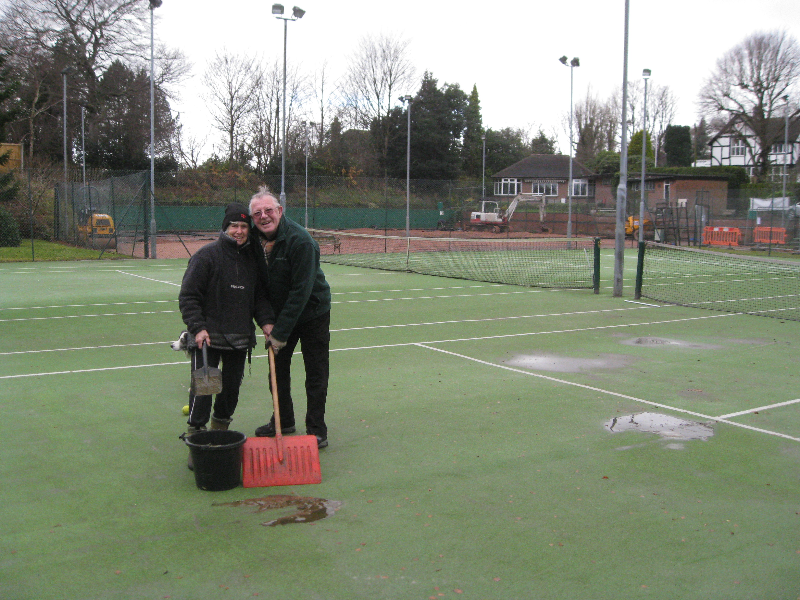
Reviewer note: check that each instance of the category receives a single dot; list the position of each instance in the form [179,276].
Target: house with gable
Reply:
[737,146]
[548,175]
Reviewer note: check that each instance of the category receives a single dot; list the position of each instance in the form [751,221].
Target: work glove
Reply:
[276,345]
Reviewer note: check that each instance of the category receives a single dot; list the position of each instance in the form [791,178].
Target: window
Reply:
[508,186]
[649,186]
[737,147]
[545,188]
[666,190]
[778,149]
[582,187]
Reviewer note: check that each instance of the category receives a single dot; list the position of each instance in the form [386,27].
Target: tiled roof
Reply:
[545,166]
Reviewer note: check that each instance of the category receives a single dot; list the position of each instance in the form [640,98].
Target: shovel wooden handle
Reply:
[273,380]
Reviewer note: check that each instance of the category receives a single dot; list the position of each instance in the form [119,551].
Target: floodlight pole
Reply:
[407,99]
[305,129]
[64,72]
[483,168]
[785,158]
[646,76]
[297,13]
[154,4]
[575,62]
[622,188]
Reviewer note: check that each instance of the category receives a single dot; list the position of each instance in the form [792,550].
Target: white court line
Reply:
[122,314]
[364,328]
[149,278]
[399,345]
[759,408]
[722,419]
[87,305]
[616,394]
[439,297]
[84,348]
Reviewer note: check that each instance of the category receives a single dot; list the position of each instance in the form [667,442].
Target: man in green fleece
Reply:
[288,261]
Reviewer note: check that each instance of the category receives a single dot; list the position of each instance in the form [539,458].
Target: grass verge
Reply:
[48,251]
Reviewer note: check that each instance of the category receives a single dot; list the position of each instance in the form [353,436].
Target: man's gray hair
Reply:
[262,194]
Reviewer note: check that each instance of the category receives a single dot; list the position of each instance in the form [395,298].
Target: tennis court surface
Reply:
[487,441]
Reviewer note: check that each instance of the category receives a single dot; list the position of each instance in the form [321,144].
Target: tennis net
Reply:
[532,262]
[719,281]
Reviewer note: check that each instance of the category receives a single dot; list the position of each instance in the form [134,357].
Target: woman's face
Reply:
[239,231]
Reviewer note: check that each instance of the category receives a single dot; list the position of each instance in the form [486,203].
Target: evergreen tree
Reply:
[8,112]
[472,151]
[437,128]
[678,146]
[542,144]
[635,149]
[700,139]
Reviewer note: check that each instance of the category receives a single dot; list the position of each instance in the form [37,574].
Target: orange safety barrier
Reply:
[761,235]
[721,236]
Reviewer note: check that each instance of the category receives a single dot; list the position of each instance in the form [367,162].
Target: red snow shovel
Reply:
[275,461]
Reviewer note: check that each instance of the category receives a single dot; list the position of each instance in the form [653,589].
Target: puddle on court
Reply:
[569,364]
[308,509]
[668,427]
[665,342]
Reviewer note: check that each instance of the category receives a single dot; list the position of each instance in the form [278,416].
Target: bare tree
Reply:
[324,103]
[661,108]
[379,71]
[88,36]
[263,129]
[186,148]
[231,82]
[595,125]
[748,87]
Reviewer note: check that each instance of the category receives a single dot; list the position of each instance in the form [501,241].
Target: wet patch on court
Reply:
[307,510]
[672,429]
[658,342]
[569,364]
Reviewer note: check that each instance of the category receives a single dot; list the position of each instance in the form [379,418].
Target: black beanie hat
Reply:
[235,212]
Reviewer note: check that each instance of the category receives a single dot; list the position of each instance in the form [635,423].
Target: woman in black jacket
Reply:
[219,298]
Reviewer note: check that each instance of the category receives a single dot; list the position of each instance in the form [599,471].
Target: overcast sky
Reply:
[509,50]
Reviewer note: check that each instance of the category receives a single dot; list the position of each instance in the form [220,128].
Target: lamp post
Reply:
[483,168]
[154,4]
[645,76]
[575,62]
[64,72]
[297,13]
[785,158]
[622,188]
[404,100]
[305,129]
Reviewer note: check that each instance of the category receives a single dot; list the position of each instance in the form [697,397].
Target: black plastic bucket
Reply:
[217,458]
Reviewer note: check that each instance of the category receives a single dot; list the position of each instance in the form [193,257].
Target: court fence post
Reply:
[596,274]
[639,270]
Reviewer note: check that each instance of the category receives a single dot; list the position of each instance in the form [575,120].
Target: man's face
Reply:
[266,215]
[238,230]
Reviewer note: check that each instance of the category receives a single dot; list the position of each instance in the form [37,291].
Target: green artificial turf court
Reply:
[470,453]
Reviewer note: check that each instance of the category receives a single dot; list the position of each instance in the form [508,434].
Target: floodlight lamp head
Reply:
[563,60]
[155,4]
[646,73]
[575,62]
[298,12]
[277,9]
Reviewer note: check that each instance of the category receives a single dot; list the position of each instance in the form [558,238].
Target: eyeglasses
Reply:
[269,212]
